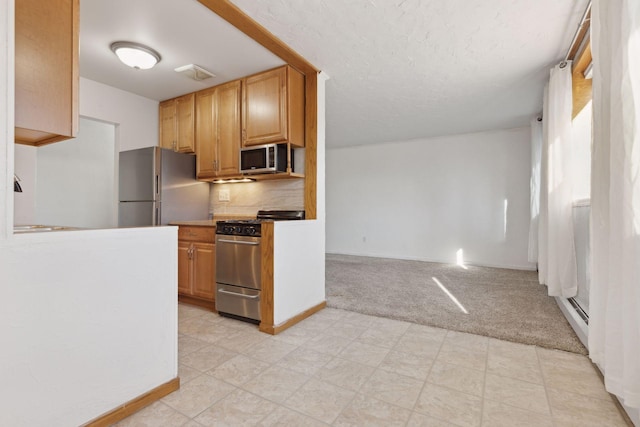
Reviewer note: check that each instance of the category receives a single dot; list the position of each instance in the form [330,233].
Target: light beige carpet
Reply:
[500,303]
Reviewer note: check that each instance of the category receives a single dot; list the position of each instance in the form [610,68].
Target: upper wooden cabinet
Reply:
[177,120]
[46,71]
[206,146]
[218,130]
[228,98]
[273,107]
[167,121]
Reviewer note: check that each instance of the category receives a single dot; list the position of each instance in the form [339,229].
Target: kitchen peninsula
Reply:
[200,253]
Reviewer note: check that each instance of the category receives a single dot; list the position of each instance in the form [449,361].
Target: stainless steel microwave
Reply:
[270,158]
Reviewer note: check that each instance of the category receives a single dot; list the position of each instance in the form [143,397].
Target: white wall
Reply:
[80,337]
[426,199]
[76,181]
[136,116]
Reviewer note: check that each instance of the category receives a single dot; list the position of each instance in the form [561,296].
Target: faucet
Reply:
[16,184]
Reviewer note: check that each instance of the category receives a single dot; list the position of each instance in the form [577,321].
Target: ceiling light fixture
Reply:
[135,55]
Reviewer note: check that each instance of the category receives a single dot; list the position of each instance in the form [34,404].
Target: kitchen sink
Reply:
[39,228]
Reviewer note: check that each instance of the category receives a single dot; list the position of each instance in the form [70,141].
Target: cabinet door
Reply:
[204,270]
[229,132]
[264,108]
[205,134]
[46,70]
[185,117]
[184,268]
[168,124]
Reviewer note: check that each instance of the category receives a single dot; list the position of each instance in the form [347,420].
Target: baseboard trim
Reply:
[575,321]
[276,329]
[134,405]
[528,267]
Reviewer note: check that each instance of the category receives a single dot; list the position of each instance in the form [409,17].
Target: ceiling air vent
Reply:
[194,72]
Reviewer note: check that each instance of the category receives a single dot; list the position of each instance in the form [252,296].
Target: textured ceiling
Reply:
[405,69]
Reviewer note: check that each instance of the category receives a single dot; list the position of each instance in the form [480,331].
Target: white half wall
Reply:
[79,336]
[298,270]
[427,199]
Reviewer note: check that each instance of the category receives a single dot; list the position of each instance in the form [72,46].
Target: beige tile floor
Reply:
[346,369]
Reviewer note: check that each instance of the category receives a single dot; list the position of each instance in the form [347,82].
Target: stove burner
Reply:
[253,227]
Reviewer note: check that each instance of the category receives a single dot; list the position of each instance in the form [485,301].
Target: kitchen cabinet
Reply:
[46,71]
[177,121]
[273,107]
[196,265]
[218,131]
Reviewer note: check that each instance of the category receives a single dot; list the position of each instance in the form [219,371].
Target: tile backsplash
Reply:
[248,198]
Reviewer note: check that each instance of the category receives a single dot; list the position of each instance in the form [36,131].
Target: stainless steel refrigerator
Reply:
[157,186]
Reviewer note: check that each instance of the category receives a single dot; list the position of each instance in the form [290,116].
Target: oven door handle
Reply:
[239,242]
[222,291]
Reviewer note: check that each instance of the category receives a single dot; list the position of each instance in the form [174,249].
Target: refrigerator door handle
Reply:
[157,217]
[157,184]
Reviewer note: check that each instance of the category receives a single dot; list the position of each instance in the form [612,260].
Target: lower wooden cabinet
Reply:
[197,265]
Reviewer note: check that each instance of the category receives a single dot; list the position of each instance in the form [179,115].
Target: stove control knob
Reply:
[251,231]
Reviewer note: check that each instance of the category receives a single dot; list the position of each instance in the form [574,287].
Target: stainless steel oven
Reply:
[239,264]
[238,275]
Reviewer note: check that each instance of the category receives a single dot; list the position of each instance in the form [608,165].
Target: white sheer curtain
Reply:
[556,253]
[534,188]
[542,216]
[614,321]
